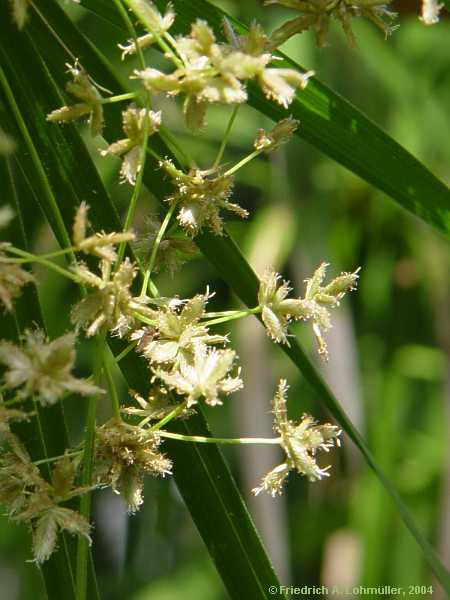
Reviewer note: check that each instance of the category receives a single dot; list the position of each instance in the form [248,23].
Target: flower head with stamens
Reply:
[124,453]
[277,308]
[201,195]
[135,122]
[43,368]
[300,443]
[111,306]
[177,332]
[85,90]
[156,23]
[319,299]
[204,376]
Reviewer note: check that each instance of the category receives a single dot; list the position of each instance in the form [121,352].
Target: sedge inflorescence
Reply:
[188,362]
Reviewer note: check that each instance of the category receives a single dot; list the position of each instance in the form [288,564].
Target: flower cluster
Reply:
[210,72]
[43,369]
[111,305]
[316,15]
[123,454]
[200,197]
[31,499]
[300,443]
[278,309]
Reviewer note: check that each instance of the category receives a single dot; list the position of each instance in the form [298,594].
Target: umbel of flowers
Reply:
[188,362]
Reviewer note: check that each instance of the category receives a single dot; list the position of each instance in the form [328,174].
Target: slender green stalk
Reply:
[159,237]
[242,162]
[55,458]
[172,415]
[88,461]
[120,98]
[125,352]
[172,41]
[227,313]
[38,259]
[223,145]
[237,315]
[24,261]
[213,440]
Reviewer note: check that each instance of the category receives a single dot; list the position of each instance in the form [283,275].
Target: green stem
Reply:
[212,440]
[242,162]
[236,315]
[172,41]
[55,458]
[124,352]
[226,137]
[143,319]
[172,415]
[159,237]
[43,256]
[120,98]
[88,463]
[227,313]
[43,261]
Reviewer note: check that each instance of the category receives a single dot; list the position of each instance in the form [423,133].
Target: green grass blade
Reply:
[225,526]
[334,126]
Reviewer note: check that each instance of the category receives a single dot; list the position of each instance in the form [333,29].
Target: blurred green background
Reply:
[389,346]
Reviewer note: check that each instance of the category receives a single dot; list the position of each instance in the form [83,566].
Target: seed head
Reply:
[300,443]
[124,453]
